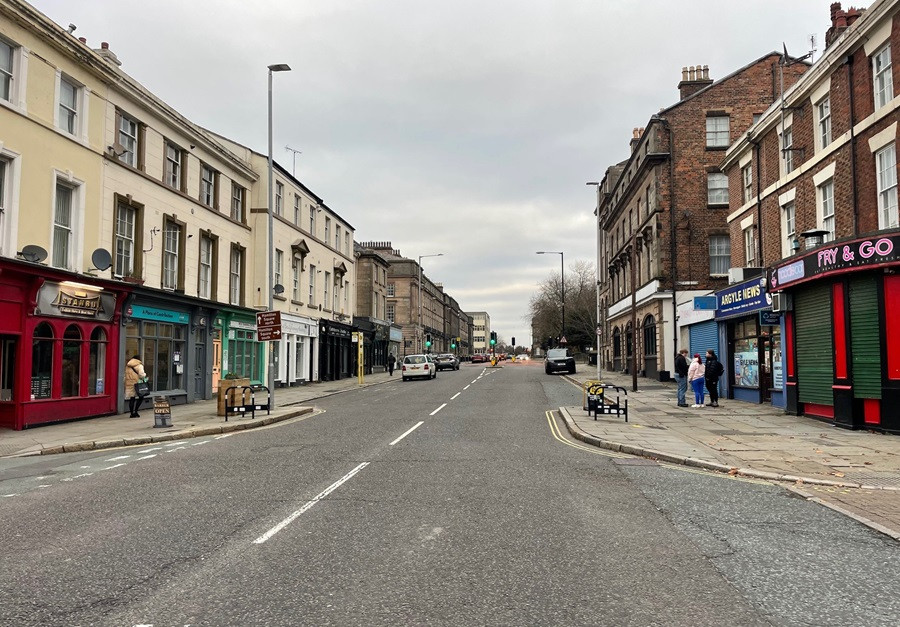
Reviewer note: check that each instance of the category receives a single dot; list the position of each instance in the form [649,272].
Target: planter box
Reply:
[224,384]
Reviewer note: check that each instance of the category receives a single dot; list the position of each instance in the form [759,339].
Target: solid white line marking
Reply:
[438,409]
[224,435]
[151,456]
[455,395]
[467,387]
[111,467]
[475,381]
[44,485]
[419,424]
[6,496]
[168,444]
[119,458]
[149,450]
[334,486]
[172,450]
[200,442]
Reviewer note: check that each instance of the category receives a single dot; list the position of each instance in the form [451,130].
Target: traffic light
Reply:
[493,337]
[428,341]
[452,342]
[514,341]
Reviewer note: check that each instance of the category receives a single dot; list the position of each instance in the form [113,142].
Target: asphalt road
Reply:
[458,501]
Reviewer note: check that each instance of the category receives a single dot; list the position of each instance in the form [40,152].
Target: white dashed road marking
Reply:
[150,456]
[119,458]
[438,409]
[419,424]
[455,395]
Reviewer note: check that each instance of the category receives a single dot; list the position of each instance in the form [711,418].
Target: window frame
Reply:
[236,272]
[279,267]
[822,203]
[129,261]
[750,246]
[296,276]
[279,199]
[886,189]
[312,286]
[823,122]
[209,186]
[714,135]
[172,225]
[747,182]
[238,202]
[787,150]
[716,195]
[74,114]
[882,76]
[212,266]
[789,220]
[298,209]
[10,74]
[76,220]
[137,150]
[720,253]
[173,169]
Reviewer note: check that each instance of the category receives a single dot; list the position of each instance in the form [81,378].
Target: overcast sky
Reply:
[467,128]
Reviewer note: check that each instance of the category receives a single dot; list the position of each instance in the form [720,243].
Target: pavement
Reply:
[191,420]
[854,472]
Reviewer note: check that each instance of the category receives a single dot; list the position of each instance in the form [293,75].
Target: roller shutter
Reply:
[815,345]
[704,336]
[865,341]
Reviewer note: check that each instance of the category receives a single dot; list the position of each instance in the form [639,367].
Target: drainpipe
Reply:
[673,235]
[853,185]
[759,227]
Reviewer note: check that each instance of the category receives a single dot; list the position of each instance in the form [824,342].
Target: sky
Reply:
[467,128]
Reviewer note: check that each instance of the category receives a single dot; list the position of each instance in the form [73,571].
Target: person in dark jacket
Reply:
[714,370]
[391,362]
[681,371]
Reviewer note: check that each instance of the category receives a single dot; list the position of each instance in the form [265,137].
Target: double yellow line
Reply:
[557,434]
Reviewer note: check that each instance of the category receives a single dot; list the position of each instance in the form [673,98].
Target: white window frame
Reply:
[9,201]
[76,223]
[279,263]
[882,76]
[390,312]
[295,279]
[747,182]
[237,202]
[347,297]
[886,182]
[312,285]
[337,237]
[173,166]
[825,208]
[75,125]
[279,198]
[312,219]
[788,227]
[390,289]
[129,139]
[823,122]
[327,230]
[716,136]
[171,255]
[298,208]
[326,301]
[347,242]
[234,275]
[787,150]
[123,260]
[208,178]
[717,251]
[716,194]
[750,246]
[207,250]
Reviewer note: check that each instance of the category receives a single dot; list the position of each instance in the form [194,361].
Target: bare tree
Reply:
[581,307]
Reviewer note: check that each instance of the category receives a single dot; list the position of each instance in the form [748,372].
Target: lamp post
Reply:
[562,275]
[270,379]
[599,261]
[419,325]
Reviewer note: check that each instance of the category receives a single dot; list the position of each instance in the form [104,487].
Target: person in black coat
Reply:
[714,370]
[681,370]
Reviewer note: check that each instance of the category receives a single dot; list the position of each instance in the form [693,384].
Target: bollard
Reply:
[162,412]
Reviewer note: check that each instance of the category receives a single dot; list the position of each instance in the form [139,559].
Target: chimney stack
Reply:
[636,137]
[840,21]
[108,55]
[693,79]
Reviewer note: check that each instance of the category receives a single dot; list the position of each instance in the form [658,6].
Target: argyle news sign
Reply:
[858,254]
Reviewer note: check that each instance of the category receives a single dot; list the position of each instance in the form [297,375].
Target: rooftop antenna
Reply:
[812,46]
[294,167]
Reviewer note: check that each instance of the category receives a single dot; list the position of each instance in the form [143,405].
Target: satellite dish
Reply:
[101,259]
[33,253]
[278,288]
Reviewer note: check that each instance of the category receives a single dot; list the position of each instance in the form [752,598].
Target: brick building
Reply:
[662,213]
[814,197]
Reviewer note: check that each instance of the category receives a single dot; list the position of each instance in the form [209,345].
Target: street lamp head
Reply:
[592,183]
[280,67]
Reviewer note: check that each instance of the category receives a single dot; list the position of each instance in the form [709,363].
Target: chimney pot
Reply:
[706,72]
[684,73]
[82,40]
[104,45]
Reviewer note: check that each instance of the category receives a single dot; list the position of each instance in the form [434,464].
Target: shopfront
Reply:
[752,332]
[841,304]
[335,360]
[242,356]
[298,346]
[171,335]
[59,334]
[395,340]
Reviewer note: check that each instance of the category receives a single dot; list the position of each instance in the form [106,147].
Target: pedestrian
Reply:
[391,361]
[714,370]
[681,372]
[696,379]
[134,372]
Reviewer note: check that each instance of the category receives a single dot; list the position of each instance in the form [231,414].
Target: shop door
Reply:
[217,364]
[815,345]
[704,336]
[199,366]
[865,345]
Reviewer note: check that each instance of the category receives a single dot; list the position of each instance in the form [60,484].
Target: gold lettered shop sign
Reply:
[75,300]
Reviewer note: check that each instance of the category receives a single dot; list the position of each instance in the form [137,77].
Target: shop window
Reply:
[97,362]
[650,336]
[42,361]
[243,354]
[746,354]
[7,367]
[71,362]
[162,350]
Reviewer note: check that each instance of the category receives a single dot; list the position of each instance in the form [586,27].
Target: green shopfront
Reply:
[242,356]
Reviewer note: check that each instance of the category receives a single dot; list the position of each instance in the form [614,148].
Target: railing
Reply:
[244,407]
[598,400]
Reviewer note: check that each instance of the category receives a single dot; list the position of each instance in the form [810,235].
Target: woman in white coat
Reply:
[696,372]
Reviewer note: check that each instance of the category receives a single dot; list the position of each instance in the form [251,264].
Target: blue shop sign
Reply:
[705,303]
[743,298]
[158,315]
[770,318]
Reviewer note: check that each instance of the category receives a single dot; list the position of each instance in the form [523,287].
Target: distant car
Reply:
[522,357]
[446,362]
[559,359]
[418,366]
[479,358]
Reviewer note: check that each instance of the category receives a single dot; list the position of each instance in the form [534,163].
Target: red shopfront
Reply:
[59,338]
[841,304]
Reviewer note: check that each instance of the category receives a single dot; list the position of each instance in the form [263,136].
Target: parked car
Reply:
[479,358]
[446,362]
[559,359]
[418,366]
